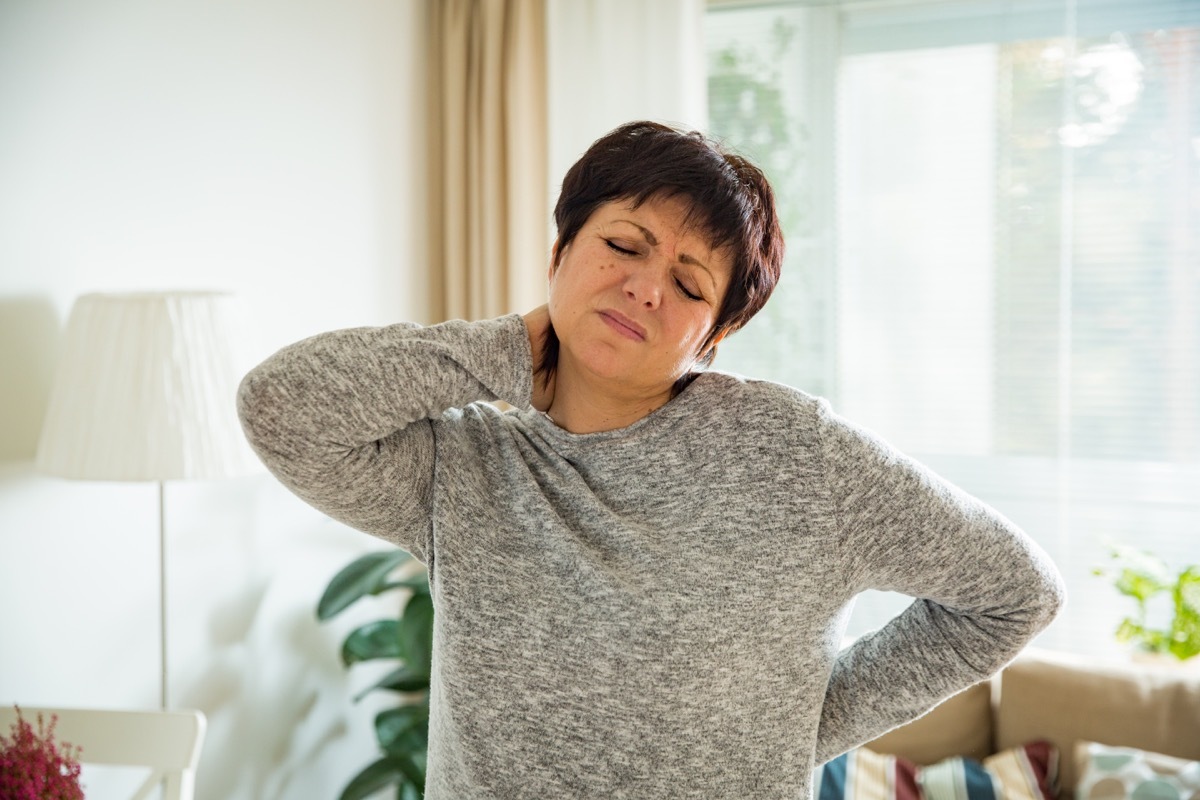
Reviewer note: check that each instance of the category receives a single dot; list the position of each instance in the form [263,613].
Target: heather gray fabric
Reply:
[651,612]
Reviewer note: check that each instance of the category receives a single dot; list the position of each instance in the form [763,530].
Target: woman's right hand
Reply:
[537,322]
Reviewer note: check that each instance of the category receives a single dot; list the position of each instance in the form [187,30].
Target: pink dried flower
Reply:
[32,767]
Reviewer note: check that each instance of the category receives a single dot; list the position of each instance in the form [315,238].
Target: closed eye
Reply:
[690,295]
[616,248]
[620,249]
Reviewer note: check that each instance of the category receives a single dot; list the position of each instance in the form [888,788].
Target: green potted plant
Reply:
[1143,576]
[403,731]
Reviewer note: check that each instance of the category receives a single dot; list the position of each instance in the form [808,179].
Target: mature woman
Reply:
[642,574]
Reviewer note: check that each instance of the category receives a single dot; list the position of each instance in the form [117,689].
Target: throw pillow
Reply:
[1124,773]
[863,774]
[1029,772]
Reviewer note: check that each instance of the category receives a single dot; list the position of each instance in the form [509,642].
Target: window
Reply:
[992,211]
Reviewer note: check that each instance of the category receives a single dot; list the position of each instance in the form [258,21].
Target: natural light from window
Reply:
[992,213]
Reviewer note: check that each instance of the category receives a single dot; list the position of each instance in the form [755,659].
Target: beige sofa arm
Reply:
[1067,698]
[960,726]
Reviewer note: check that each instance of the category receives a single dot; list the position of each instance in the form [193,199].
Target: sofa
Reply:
[1066,700]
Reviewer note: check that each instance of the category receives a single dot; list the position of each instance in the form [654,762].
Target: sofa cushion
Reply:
[1118,773]
[863,774]
[1022,773]
[960,726]
[1066,699]
[1029,772]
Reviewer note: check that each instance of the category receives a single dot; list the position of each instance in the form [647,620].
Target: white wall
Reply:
[274,148]
[269,147]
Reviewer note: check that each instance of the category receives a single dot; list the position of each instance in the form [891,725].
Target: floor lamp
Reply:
[145,392]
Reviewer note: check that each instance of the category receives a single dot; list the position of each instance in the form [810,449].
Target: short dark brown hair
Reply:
[727,196]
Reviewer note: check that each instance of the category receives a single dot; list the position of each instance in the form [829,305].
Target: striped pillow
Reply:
[863,774]
[1029,772]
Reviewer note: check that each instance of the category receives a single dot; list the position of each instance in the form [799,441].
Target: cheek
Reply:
[701,333]
[555,306]
[564,298]
[701,323]
[576,284]
[690,331]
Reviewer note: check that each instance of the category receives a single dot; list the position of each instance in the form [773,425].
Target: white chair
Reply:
[166,741]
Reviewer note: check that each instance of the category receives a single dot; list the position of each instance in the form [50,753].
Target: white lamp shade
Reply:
[145,390]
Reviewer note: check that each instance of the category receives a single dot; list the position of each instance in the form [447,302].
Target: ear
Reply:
[710,352]
[554,254]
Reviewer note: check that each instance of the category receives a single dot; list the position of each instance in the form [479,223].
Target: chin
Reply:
[609,367]
[605,362]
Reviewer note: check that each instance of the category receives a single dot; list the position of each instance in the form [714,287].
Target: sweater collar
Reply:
[661,419]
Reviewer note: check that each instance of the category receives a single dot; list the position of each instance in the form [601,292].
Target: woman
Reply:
[642,574]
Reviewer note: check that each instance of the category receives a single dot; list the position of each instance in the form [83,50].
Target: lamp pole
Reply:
[162,586]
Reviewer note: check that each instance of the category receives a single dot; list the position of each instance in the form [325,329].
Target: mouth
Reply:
[623,325]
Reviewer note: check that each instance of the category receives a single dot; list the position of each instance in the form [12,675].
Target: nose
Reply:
[644,286]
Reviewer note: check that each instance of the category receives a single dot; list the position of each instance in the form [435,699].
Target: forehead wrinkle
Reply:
[684,258]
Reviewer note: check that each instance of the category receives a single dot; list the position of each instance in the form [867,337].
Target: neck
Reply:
[584,404]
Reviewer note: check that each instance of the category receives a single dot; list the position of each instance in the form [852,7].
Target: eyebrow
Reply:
[684,258]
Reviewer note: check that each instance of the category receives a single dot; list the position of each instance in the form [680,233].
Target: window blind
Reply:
[991,210]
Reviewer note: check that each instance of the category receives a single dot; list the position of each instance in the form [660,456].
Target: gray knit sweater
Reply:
[655,611]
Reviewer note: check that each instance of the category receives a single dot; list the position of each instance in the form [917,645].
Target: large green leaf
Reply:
[414,770]
[403,679]
[361,577]
[1141,575]
[1189,590]
[379,639]
[403,730]
[1185,629]
[377,775]
[416,633]
[1139,585]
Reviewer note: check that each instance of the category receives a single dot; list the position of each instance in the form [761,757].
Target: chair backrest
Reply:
[168,742]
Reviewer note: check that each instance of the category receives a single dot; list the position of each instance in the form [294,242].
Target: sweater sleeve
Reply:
[982,588]
[343,419]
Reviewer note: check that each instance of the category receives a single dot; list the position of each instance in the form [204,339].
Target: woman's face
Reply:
[636,294]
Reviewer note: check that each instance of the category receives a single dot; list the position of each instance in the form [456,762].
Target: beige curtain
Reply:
[489,206]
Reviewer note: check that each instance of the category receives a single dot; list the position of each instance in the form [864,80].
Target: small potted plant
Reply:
[34,767]
[1143,576]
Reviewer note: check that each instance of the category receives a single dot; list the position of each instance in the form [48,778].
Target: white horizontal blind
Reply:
[872,26]
[992,212]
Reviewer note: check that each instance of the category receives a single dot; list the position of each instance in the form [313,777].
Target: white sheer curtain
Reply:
[612,61]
